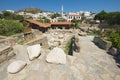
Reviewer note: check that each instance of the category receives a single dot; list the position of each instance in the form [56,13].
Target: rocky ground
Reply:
[92,63]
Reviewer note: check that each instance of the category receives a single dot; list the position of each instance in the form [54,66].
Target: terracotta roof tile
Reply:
[39,23]
[61,23]
[48,25]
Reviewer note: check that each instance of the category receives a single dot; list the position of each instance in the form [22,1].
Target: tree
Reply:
[101,16]
[75,22]
[61,20]
[44,20]
[18,17]
[8,15]
[55,15]
[113,18]
[11,16]
[1,16]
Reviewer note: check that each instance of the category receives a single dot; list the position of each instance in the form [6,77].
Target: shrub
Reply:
[10,27]
[113,35]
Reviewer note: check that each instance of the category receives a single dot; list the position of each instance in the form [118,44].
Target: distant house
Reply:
[44,27]
[72,16]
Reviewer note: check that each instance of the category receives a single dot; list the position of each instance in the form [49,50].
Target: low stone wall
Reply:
[102,43]
[6,53]
[6,50]
[43,41]
[11,40]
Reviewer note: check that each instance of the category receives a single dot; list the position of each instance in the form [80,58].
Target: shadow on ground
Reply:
[117,60]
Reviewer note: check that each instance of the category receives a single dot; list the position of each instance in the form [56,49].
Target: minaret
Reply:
[62,11]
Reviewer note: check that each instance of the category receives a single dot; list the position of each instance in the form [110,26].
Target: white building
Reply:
[21,13]
[87,14]
[12,11]
[72,16]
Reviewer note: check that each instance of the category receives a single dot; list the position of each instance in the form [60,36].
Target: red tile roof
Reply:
[39,23]
[61,23]
[48,25]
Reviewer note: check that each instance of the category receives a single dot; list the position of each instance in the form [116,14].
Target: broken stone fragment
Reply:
[16,66]
[34,51]
[57,56]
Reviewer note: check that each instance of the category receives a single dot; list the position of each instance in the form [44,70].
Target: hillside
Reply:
[31,10]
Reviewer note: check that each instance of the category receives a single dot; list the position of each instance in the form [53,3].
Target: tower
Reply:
[62,9]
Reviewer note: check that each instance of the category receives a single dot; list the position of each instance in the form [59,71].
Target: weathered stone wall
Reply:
[43,41]
[6,50]
[102,43]
[6,53]
[11,40]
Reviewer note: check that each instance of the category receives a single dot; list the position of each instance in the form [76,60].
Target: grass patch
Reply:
[20,42]
[67,47]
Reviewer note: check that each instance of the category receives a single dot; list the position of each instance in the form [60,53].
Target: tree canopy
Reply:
[61,20]
[101,16]
[76,23]
[10,16]
[44,20]
[55,15]
[110,18]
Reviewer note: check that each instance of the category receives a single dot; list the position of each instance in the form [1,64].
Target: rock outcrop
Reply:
[113,51]
[57,56]
[102,43]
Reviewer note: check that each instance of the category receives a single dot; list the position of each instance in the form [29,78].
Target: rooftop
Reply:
[47,25]
[38,23]
[61,23]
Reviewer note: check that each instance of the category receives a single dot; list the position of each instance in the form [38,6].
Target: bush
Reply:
[10,16]
[10,27]
[113,35]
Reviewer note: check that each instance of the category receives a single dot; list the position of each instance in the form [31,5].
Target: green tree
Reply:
[18,17]
[55,15]
[101,16]
[61,20]
[8,15]
[11,16]
[1,16]
[113,18]
[76,23]
[44,20]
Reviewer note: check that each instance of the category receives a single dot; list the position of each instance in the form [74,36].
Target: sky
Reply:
[69,5]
